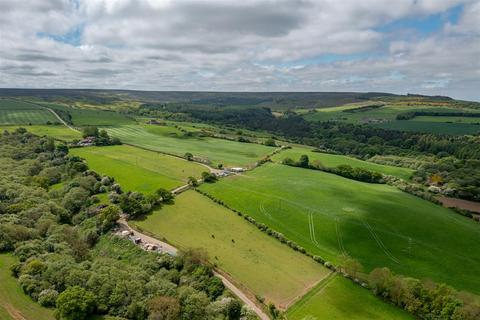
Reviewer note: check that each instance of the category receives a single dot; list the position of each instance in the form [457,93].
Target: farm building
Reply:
[86,142]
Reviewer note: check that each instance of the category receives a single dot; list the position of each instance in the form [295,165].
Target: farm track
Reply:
[168,248]
[61,120]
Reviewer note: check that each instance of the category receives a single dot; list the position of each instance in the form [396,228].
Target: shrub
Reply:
[48,297]
[75,303]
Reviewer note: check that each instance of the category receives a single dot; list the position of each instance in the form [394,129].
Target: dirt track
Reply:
[167,248]
[460,203]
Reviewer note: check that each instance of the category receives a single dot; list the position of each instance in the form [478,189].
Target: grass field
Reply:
[338,298]
[170,140]
[137,169]
[14,112]
[387,117]
[59,132]
[431,127]
[447,119]
[88,116]
[387,112]
[252,258]
[14,304]
[377,224]
[333,160]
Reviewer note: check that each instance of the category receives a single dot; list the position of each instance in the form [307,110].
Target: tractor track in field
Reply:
[380,243]
[341,246]
[311,226]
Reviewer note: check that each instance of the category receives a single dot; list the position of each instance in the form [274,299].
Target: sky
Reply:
[400,46]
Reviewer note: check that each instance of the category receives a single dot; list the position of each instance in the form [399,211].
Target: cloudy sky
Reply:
[416,46]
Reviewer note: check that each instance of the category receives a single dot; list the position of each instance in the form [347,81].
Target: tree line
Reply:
[343,170]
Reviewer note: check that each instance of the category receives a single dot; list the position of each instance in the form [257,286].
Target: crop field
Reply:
[252,258]
[137,169]
[14,112]
[385,117]
[170,140]
[431,127]
[447,119]
[379,225]
[386,113]
[338,298]
[59,132]
[333,160]
[14,304]
[87,116]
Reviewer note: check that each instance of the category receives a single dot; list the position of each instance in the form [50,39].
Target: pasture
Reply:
[379,225]
[385,117]
[87,116]
[388,112]
[139,170]
[338,298]
[16,112]
[253,259]
[334,160]
[14,304]
[210,150]
[455,128]
[59,132]
[447,119]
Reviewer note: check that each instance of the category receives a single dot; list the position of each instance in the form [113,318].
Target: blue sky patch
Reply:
[72,37]
[424,24]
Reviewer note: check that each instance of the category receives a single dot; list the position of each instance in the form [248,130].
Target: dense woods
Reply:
[68,259]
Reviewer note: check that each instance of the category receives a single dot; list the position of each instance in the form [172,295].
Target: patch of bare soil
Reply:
[460,203]
[14,313]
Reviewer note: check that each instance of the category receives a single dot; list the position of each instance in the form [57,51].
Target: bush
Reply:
[75,303]
[48,297]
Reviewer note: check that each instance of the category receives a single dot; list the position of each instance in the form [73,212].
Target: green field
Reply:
[171,140]
[388,112]
[137,169]
[447,119]
[14,304]
[333,160]
[87,116]
[431,127]
[59,132]
[385,117]
[339,298]
[14,112]
[252,258]
[377,224]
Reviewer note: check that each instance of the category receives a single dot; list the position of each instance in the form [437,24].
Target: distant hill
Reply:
[274,100]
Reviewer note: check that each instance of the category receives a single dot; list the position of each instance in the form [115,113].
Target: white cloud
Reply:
[238,45]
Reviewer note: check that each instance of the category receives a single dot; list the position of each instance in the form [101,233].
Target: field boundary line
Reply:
[212,170]
[316,289]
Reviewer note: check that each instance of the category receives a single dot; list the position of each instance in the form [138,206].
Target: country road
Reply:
[167,248]
[61,120]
